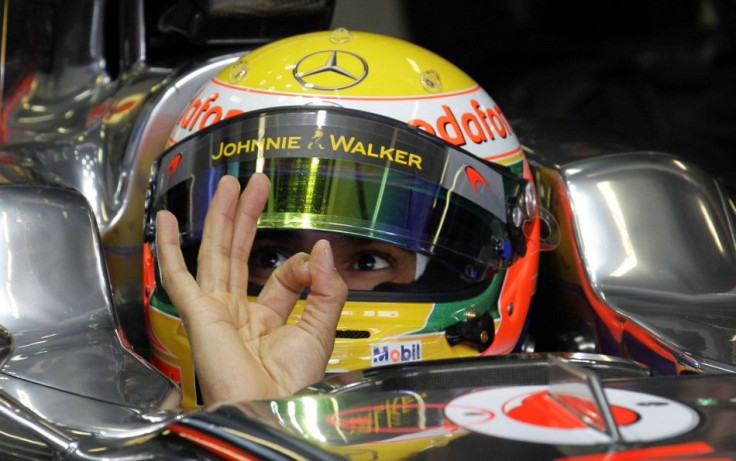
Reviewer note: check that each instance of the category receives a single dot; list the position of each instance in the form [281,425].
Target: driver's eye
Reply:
[370,262]
[268,258]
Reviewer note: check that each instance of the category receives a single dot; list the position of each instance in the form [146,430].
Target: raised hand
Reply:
[244,350]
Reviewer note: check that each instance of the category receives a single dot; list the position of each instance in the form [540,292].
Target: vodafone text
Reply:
[479,125]
[202,112]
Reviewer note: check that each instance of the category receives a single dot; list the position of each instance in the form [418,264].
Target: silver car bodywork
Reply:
[647,251]
[66,360]
[645,266]
[100,135]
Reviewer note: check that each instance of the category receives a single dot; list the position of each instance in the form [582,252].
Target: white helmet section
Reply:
[468,118]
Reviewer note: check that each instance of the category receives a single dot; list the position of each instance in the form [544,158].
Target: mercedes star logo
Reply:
[330,70]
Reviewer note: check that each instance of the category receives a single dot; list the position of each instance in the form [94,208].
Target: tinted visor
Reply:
[346,171]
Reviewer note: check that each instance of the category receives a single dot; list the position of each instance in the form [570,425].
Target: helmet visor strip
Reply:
[345,171]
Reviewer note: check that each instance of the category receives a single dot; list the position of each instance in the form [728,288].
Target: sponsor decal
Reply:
[529,414]
[255,145]
[203,112]
[316,141]
[475,178]
[330,70]
[339,144]
[354,146]
[173,164]
[478,125]
[391,353]
[469,119]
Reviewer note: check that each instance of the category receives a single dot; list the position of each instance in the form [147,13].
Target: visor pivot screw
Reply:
[530,201]
[510,308]
[238,70]
[431,81]
[340,36]
[483,337]
[517,217]
[471,314]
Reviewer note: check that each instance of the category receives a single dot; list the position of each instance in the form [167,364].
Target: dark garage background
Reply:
[654,71]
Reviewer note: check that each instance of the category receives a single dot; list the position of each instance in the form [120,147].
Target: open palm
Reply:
[244,350]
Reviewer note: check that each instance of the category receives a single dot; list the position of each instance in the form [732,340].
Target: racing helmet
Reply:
[373,139]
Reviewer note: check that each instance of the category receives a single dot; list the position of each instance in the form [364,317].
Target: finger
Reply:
[327,295]
[175,277]
[285,285]
[213,261]
[250,206]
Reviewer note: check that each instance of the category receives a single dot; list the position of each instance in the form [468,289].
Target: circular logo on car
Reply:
[330,70]
[516,413]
